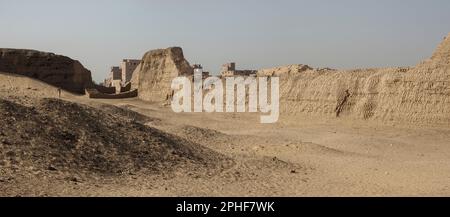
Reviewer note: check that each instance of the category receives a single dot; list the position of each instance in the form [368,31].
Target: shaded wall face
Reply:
[116,73]
[53,69]
[128,68]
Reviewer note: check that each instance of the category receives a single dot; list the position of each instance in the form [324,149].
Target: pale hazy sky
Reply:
[255,34]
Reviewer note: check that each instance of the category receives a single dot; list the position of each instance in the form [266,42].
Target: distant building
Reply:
[120,75]
[114,77]
[229,70]
[228,67]
[199,69]
[128,66]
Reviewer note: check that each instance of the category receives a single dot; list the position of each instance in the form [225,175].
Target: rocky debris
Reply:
[201,135]
[67,137]
[52,168]
[154,75]
[57,70]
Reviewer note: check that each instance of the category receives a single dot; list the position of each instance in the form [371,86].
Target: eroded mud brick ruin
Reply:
[156,71]
[57,70]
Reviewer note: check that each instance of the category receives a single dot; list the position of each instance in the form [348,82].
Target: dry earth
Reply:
[130,147]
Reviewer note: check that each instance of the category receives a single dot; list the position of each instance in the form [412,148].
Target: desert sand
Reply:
[298,156]
[363,132]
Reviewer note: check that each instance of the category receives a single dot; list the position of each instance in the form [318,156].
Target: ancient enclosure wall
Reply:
[420,94]
[57,70]
[154,74]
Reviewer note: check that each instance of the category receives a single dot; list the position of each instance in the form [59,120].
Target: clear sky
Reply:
[254,33]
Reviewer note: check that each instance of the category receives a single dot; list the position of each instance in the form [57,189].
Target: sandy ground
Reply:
[304,157]
[297,156]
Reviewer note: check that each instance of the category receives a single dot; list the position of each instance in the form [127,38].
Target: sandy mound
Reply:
[65,136]
[202,135]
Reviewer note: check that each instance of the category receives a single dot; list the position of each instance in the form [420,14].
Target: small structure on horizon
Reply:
[229,70]
[199,68]
[128,66]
